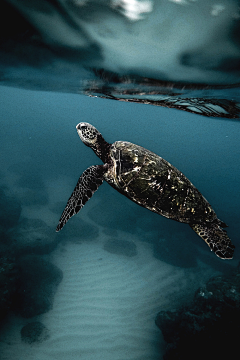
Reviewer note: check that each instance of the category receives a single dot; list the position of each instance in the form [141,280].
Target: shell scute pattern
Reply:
[154,183]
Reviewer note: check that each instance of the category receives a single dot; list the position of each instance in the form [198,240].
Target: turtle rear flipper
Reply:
[88,183]
[216,238]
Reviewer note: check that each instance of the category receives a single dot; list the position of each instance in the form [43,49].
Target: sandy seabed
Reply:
[104,308]
[106,305]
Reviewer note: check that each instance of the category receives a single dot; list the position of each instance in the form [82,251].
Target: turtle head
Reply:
[87,133]
[91,137]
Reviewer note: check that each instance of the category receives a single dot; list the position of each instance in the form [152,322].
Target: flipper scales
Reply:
[88,183]
[216,238]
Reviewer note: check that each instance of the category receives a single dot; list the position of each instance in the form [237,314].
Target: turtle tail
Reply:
[216,238]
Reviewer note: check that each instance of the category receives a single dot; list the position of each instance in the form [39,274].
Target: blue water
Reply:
[93,290]
[41,151]
[41,127]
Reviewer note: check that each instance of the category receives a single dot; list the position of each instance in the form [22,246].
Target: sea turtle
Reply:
[151,182]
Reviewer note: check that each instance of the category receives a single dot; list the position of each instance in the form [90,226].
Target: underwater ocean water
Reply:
[118,282]
[120,264]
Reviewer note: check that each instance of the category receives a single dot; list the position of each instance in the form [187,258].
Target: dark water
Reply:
[41,160]
[93,291]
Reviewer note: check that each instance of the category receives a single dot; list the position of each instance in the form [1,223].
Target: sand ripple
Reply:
[105,307]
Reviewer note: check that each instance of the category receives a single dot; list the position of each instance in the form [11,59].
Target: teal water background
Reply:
[41,151]
[40,127]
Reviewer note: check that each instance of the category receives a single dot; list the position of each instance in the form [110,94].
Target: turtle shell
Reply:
[155,184]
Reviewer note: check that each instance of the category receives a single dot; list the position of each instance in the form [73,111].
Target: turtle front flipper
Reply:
[216,238]
[88,183]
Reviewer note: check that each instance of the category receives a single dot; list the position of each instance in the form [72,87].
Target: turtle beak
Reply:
[81,126]
[79,130]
